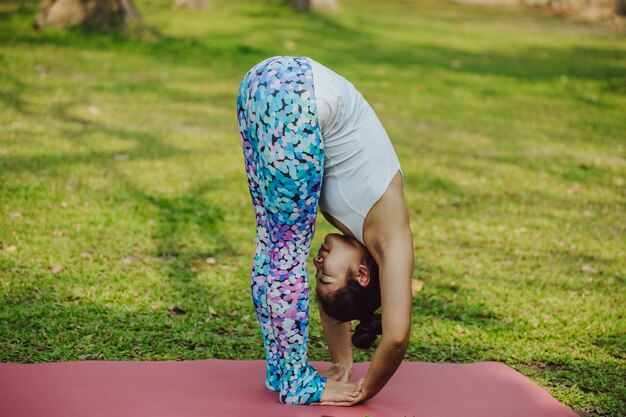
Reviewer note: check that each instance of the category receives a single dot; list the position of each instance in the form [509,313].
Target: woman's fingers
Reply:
[346,402]
[347,397]
[337,403]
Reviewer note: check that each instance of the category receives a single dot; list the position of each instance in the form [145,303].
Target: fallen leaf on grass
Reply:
[55,269]
[588,269]
[211,260]
[601,411]
[455,63]
[15,214]
[212,313]
[11,248]
[42,70]
[176,311]
[573,189]
[131,258]
[289,45]
[89,356]
[416,286]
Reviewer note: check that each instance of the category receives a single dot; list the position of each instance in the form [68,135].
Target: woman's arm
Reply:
[395,268]
[339,338]
[395,260]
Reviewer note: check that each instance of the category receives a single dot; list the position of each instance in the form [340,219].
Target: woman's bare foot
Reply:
[336,391]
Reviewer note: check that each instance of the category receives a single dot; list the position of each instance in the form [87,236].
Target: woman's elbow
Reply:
[399,341]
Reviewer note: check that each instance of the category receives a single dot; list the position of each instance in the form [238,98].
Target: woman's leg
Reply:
[277,117]
[258,286]
[260,266]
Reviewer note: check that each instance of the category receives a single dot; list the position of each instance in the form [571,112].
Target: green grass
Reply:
[121,173]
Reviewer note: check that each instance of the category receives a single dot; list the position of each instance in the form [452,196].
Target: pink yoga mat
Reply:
[222,388]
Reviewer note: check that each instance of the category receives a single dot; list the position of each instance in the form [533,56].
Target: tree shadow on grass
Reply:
[599,378]
[350,47]
[69,329]
[158,333]
[347,44]
[559,374]
[421,181]
[562,168]
[178,218]
[448,302]
[11,94]
[189,230]
[163,48]
[469,314]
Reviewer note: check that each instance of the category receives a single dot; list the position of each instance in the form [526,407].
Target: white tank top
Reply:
[359,161]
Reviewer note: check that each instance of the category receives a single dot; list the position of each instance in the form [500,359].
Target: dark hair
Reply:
[355,302]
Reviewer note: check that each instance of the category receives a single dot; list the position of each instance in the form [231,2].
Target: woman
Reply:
[309,136]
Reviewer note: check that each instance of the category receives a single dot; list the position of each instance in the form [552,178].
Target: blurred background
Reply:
[126,226]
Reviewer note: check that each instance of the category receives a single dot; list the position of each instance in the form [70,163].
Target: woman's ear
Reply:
[362,275]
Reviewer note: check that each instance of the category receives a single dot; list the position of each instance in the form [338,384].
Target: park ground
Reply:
[127,231]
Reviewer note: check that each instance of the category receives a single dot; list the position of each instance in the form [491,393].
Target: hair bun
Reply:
[366,331]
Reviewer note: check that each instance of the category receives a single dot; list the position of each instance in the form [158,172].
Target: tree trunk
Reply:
[300,5]
[90,14]
[190,4]
[129,11]
[620,7]
[306,5]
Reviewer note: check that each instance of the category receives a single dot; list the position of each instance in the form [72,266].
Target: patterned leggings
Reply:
[284,159]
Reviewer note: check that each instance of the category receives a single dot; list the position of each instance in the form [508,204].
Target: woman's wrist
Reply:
[364,393]
[367,393]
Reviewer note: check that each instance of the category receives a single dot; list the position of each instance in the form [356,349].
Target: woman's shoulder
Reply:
[388,217]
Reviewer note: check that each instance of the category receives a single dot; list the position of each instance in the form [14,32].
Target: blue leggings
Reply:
[284,160]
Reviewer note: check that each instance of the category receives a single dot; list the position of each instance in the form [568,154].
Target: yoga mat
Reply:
[222,388]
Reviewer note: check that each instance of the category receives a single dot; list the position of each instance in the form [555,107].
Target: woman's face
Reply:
[337,259]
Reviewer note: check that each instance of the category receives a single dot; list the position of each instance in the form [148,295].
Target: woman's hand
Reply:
[362,396]
[338,372]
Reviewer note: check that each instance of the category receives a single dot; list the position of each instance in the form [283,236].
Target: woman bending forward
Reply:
[309,137]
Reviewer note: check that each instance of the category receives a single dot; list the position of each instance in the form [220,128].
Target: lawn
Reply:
[127,230]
